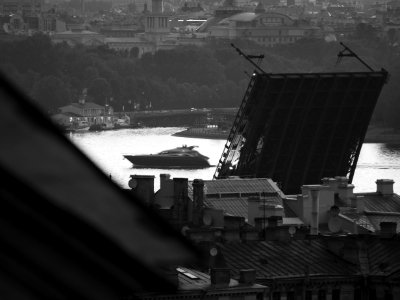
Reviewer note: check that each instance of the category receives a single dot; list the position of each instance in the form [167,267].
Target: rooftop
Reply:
[377,208]
[231,195]
[237,206]
[274,259]
[236,185]
[192,279]
[316,257]
[376,202]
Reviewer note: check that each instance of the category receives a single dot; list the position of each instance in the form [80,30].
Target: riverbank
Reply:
[374,134]
[204,133]
[382,135]
[99,127]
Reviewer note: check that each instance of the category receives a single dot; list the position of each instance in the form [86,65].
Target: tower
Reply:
[157,6]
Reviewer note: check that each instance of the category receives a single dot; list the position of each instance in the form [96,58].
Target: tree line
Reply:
[215,75]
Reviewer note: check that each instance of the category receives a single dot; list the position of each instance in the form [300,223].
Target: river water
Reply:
[106,150]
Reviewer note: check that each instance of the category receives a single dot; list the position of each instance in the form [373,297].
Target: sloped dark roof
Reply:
[240,185]
[373,256]
[359,219]
[383,256]
[231,194]
[186,283]
[232,206]
[381,203]
[207,24]
[274,259]
[237,206]
[376,219]
[378,208]
[203,282]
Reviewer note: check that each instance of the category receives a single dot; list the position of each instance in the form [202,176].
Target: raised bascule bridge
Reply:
[299,128]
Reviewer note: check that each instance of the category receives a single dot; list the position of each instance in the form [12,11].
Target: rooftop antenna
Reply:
[347,52]
[250,58]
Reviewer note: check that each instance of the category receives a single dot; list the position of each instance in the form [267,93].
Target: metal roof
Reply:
[383,257]
[376,219]
[238,185]
[274,259]
[381,203]
[231,194]
[232,206]
[378,208]
[237,206]
[198,279]
[191,279]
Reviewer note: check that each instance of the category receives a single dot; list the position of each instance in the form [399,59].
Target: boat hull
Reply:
[155,161]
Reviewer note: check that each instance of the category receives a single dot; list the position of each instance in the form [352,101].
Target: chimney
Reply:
[342,180]
[198,193]
[388,229]
[306,202]
[181,203]
[143,187]
[325,181]
[157,6]
[384,186]
[247,276]
[220,277]
[357,202]
[332,183]
[314,211]
[326,199]
[164,178]
[180,188]
[198,201]
[345,192]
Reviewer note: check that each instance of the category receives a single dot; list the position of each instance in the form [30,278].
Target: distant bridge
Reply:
[299,128]
[183,117]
